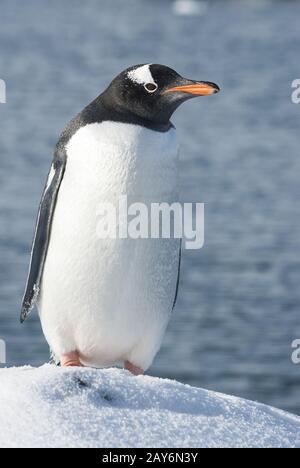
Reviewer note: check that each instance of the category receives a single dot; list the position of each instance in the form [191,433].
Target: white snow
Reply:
[54,407]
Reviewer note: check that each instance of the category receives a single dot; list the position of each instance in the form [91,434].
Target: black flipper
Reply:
[42,233]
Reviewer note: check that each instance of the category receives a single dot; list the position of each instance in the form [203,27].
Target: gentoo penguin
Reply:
[104,301]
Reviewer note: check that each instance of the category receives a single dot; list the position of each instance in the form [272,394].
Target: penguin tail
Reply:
[53,359]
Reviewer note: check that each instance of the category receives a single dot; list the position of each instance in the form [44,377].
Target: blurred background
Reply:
[239,299]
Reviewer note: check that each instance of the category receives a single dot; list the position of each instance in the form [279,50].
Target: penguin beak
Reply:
[197,88]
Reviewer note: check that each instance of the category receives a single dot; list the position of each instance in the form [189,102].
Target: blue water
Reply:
[239,299]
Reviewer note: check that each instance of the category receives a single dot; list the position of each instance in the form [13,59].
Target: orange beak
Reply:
[200,89]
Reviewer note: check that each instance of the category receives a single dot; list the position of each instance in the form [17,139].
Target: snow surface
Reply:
[54,407]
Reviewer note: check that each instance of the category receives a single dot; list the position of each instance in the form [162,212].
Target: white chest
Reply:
[114,158]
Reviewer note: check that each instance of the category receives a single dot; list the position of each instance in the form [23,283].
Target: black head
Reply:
[153,92]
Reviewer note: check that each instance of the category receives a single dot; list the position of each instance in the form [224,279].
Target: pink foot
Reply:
[133,369]
[70,360]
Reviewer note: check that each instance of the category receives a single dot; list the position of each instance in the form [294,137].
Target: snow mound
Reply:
[54,407]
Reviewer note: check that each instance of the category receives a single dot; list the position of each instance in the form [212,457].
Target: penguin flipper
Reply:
[42,234]
[178,276]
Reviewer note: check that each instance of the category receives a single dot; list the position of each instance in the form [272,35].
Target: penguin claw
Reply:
[133,369]
[70,360]
[72,364]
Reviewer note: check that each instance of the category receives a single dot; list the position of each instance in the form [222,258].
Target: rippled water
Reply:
[239,298]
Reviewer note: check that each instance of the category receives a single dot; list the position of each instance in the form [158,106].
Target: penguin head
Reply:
[153,92]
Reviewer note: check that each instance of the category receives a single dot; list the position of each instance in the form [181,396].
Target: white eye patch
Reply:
[142,75]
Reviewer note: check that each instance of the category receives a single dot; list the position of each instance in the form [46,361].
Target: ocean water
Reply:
[239,298]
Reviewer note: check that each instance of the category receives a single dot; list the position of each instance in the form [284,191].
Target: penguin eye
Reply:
[151,87]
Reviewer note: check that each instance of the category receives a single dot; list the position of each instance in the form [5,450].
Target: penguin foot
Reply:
[133,369]
[70,360]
